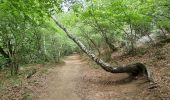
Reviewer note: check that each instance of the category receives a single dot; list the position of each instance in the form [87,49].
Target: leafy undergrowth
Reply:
[21,87]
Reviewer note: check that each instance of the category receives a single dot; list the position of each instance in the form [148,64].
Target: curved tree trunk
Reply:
[132,69]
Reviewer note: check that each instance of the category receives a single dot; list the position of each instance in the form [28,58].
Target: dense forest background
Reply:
[29,35]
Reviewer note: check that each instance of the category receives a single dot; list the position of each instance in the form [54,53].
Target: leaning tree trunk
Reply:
[132,69]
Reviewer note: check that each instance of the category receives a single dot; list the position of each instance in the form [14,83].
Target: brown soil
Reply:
[157,60]
[77,81]
[96,84]
[61,82]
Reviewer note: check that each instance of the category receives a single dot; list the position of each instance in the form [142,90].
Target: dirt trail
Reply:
[75,80]
[61,82]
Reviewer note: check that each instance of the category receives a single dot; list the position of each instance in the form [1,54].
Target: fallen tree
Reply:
[135,69]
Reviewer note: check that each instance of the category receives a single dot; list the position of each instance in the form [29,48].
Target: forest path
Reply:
[61,82]
[76,80]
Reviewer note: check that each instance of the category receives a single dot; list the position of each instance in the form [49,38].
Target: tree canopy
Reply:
[28,34]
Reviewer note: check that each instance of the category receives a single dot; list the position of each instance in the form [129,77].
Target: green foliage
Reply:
[28,34]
